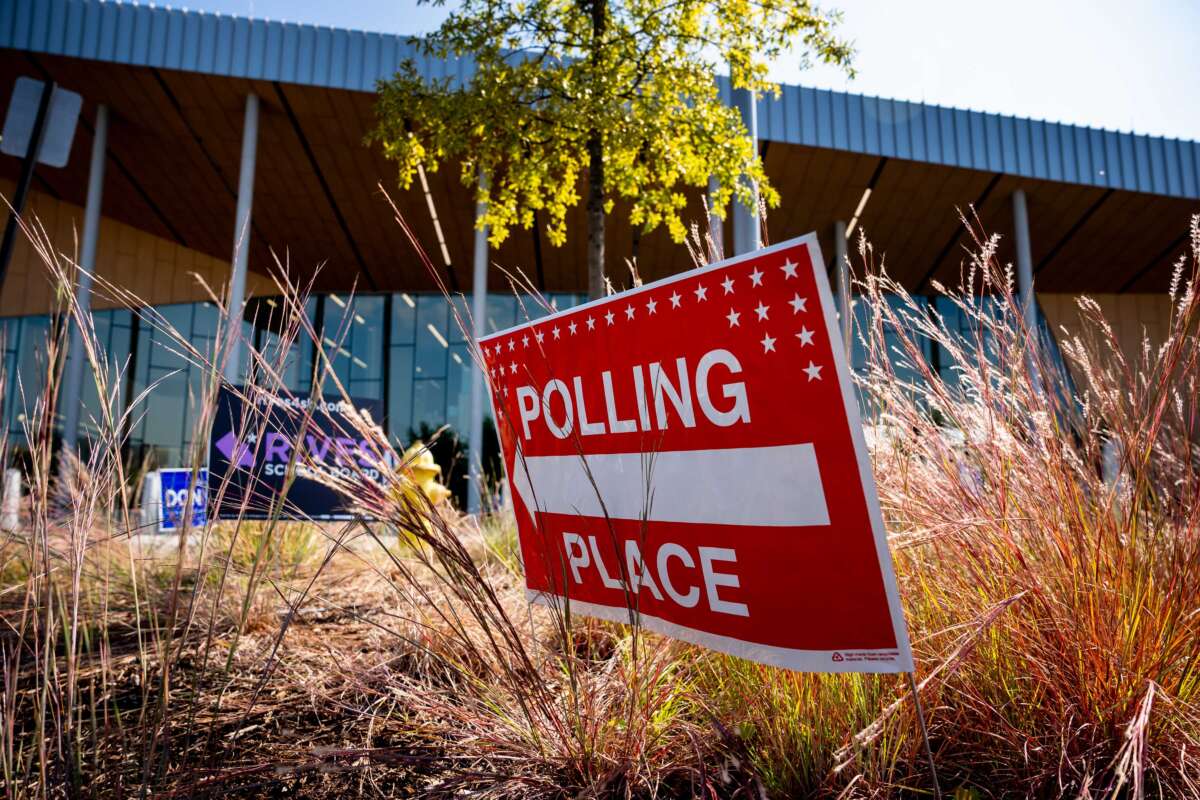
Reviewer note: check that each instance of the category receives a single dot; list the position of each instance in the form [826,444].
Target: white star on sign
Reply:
[728,284]
[512,343]
[653,304]
[813,371]
[609,317]
[675,300]
[798,304]
[554,330]
[628,312]
[789,268]
[591,323]
[805,336]
[506,391]
[756,277]
[525,341]
[572,327]
[768,344]
[761,311]
[539,336]
[701,293]
[733,317]
[512,368]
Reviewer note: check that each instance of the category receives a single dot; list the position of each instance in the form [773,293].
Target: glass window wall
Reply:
[405,350]
[295,367]
[114,336]
[24,340]
[353,337]
[170,385]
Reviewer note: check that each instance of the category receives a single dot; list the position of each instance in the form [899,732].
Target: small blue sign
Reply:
[173,493]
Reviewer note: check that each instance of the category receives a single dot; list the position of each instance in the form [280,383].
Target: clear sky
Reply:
[1106,63]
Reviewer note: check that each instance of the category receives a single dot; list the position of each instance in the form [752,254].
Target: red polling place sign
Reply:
[690,451]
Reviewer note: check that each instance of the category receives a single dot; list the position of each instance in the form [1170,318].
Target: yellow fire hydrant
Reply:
[418,472]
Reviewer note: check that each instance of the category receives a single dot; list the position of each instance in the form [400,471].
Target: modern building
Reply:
[197,121]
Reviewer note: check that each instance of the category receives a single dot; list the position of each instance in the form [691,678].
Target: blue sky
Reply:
[1105,63]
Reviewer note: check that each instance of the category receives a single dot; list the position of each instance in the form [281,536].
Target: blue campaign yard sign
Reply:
[173,494]
[251,452]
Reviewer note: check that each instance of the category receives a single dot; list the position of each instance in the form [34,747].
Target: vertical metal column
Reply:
[746,235]
[73,380]
[478,321]
[841,285]
[716,225]
[1024,260]
[1025,295]
[241,237]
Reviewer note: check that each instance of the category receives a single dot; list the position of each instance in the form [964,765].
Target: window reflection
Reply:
[865,319]
[352,336]
[432,329]
[114,336]
[25,369]
[164,420]
[405,350]
[295,367]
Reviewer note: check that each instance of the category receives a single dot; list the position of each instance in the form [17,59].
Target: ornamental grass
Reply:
[1041,497]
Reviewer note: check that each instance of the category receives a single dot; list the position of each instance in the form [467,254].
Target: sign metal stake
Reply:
[912,684]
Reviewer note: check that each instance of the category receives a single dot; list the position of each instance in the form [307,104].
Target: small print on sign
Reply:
[690,453]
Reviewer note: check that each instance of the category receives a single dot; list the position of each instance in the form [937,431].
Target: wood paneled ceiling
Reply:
[1084,239]
[174,153]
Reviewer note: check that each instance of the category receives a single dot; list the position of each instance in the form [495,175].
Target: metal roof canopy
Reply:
[1108,210]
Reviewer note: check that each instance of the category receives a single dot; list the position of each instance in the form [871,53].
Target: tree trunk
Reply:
[595,217]
[595,147]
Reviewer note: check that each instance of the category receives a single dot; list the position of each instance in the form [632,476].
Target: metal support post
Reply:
[1025,293]
[716,225]
[478,321]
[916,695]
[1024,260]
[73,380]
[841,286]
[746,234]
[241,238]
